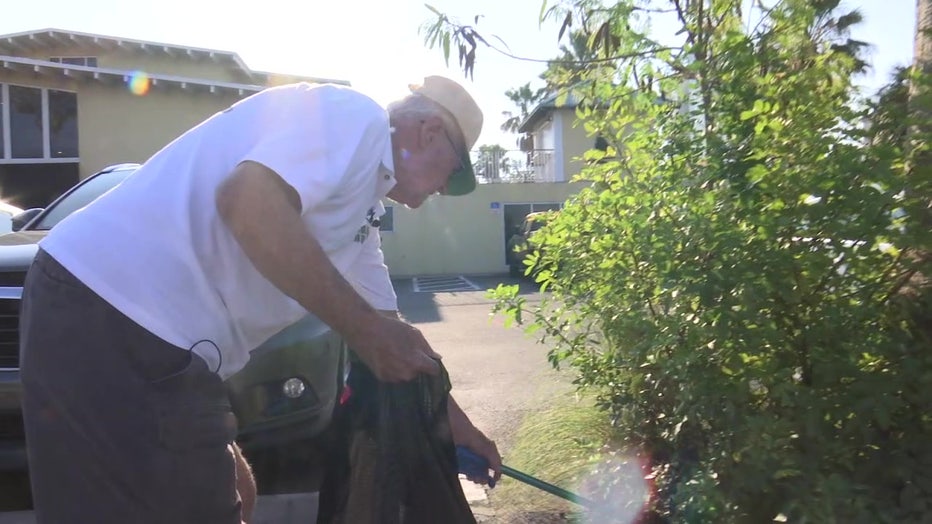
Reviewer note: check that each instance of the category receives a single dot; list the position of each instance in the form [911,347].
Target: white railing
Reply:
[513,166]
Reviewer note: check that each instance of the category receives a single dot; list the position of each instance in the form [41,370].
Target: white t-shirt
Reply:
[156,249]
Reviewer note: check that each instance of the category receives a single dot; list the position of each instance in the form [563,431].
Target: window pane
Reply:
[387,221]
[63,124]
[2,120]
[92,61]
[73,60]
[26,122]
[55,59]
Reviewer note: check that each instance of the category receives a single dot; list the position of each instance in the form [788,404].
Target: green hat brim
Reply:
[463,180]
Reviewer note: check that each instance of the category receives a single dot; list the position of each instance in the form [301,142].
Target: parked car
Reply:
[519,246]
[285,395]
[8,214]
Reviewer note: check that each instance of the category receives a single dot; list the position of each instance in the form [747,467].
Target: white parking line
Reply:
[442,284]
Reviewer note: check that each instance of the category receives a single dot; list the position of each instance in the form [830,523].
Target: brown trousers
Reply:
[121,427]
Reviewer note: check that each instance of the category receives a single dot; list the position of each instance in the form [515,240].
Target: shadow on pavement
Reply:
[420,308]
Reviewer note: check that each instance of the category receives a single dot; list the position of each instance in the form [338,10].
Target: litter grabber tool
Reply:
[473,465]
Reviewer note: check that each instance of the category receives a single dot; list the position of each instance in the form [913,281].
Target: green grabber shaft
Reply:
[546,486]
[475,466]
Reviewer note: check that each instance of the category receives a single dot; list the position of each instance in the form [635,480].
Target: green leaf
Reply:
[757,173]
[809,200]
[567,22]
[446,48]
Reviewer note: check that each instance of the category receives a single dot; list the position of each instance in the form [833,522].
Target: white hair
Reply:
[419,107]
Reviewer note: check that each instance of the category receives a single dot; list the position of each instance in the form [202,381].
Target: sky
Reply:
[375,44]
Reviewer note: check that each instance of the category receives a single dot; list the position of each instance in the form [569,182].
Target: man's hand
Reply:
[466,434]
[486,448]
[394,350]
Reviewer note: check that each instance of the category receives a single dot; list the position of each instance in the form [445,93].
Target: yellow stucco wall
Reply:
[460,235]
[116,126]
[183,66]
[575,143]
[33,80]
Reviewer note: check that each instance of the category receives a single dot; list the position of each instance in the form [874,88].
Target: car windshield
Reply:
[80,197]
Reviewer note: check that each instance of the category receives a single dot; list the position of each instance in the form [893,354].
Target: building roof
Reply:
[30,41]
[120,76]
[544,108]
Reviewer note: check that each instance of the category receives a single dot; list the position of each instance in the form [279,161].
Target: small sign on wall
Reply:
[495,207]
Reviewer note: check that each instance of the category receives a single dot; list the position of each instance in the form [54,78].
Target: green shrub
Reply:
[741,283]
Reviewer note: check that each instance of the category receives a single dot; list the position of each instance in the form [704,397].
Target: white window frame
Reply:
[7,157]
[60,60]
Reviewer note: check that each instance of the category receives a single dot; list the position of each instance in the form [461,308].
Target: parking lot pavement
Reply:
[418,305]
[292,508]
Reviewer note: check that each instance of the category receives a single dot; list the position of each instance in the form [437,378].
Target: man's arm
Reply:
[245,484]
[282,248]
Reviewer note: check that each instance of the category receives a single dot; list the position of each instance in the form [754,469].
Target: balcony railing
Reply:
[513,166]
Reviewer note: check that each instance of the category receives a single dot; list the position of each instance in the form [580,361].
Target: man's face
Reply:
[425,158]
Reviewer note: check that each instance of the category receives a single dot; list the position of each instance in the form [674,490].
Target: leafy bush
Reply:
[742,282]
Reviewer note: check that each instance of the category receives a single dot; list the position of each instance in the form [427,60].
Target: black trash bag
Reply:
[393,460]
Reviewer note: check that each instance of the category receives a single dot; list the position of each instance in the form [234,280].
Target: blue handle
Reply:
[473,465]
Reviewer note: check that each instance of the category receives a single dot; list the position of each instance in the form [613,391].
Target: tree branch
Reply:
[622,56]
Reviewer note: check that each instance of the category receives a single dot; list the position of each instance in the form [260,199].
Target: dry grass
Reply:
[557,446]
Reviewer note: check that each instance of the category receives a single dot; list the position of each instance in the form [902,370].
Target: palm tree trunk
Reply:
[919,106]
[923,43]
[920,164]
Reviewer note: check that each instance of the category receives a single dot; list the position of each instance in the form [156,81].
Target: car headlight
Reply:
[293,387]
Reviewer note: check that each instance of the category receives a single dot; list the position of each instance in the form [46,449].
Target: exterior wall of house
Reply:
[160,63]
[561,141]
[575,142]
[31,79]
[545,148]
[116,126]
[461,235]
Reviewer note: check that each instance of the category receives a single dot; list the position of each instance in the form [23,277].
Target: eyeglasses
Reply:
[462,167]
